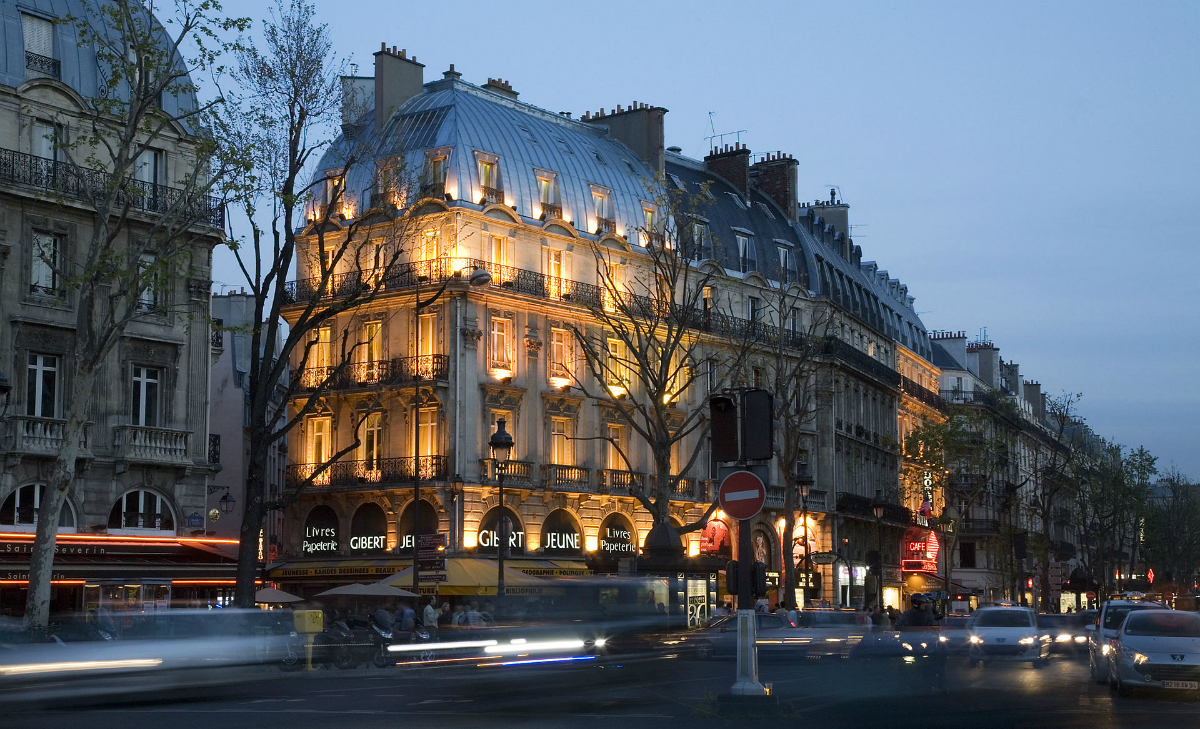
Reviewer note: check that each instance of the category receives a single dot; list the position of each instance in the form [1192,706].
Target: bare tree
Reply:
[658,335]
[359,238]
[144,236]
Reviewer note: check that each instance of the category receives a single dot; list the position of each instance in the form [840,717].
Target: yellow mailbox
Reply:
[308,621]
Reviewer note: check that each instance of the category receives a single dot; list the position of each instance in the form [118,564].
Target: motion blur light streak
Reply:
[541,660]
[549,645]
[28,668]
[414,647]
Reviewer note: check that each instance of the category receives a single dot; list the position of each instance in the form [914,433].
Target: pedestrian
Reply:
[473,619]
[444,617]
[792,617]
[458,619]
[429,616]
[408,619]
[920,615]
[879,619]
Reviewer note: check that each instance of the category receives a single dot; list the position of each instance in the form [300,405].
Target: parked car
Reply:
[1066,632]
[1103,632]
[1156,649]
[1007,634]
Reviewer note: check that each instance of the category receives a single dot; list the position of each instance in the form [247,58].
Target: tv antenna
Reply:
[720,136]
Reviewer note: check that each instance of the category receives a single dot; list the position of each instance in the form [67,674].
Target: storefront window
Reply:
[320,531]
[618,538]
[368,530]
[489,532]
[561,535]
[405,534]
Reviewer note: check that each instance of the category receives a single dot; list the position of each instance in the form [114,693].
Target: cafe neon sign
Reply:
[921,552]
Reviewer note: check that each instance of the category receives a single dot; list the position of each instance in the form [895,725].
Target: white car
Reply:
[1103,633]
[1156,649]
[1006,634]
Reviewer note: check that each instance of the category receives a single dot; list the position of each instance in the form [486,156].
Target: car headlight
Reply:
[1081,639]
[975,639]
[1027,641]
[1104,649]
[942,639]
[1062,638]
[1136,657]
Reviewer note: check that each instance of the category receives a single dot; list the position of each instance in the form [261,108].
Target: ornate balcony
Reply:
[368,474]
[87,184]
[492,195]
[395,372]
[566,478]
[551,211]
[980,526]
[605,225]
[43,65]
[434,190]
[41,436]
[616,481]
[518,474]
[143,444]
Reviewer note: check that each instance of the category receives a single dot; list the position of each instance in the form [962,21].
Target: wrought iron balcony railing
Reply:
[373,473]
[215,335]
[492,195]
[921,393]
[516,473]
[395,372]
[551,211]
[434,189]
[566,478]
[87,184]
[605,225]
[43,65]
[214,448]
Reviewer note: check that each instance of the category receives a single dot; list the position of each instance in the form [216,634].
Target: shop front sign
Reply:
[489,532]
[617,539]
[561,535]
[368,530]
[921,548]
[320,531]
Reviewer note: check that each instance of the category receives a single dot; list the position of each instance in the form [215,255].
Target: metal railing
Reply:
[922,393]
[215,335]
[214,447]
[87,184]
[343,475]
[434,189]
[44,65]
[980,526]
[605,225]
[397,371]
[52,291]
[492,195]
[617,481]
[151,445]
[550,211]
[566,478]
[968,397]
[516,473]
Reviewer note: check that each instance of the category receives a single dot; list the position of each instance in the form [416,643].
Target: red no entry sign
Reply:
[742,495]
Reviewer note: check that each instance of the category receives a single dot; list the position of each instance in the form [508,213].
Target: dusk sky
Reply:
[1030,168]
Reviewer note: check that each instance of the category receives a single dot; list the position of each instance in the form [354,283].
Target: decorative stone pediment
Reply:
[502,398]
[562,405]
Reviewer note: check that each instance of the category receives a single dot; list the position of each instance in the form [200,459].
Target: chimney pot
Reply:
[383,46]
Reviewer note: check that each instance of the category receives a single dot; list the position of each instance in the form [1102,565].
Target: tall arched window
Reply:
[20,510]
[141,509]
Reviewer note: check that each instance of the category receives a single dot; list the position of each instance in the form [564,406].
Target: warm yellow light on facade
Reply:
[617,391]
[471,539]
[591,544]
[560,382]
[693,548]
[501,374]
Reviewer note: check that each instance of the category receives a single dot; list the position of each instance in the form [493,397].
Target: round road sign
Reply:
[742,495]
[1090,595]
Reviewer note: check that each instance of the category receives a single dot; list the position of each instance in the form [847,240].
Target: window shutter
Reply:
[38,38]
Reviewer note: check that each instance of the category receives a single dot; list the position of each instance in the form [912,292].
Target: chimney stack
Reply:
[731,162]
[775,176]
[500,86]
[640,127]
[451,75]
[398,78]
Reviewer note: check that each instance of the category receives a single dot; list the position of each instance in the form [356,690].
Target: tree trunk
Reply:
[62,475]
[785,540]
[252,520]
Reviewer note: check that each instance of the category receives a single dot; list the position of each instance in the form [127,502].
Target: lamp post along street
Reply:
[805,483]
[877,507]
[501,444]
[478,277]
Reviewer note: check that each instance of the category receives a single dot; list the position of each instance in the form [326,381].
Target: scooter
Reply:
[351,641]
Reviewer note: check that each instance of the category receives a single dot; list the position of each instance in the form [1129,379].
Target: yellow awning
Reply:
[549,567]
[466,577]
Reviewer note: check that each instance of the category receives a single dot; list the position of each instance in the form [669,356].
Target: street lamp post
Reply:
[877,507]
[501,444]
[804,481]
[478,277]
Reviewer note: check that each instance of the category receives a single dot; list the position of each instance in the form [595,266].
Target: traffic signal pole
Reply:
[746,683]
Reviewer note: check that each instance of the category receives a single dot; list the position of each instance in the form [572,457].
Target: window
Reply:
[596,156]
[428,425]
[612,288]
[427,335]
[702,241]
[496,416]
[753,307]
[613,447]
[796,321]
[370,450]
[430,244]
[318,358]
[489,181]
[737,200]
[141,510]
[966,555]
[602,206]
[560,348]
[41,393]
[547,184]
[20,509]
[502,343]
[320,443]
[436,170]
[746,254]
[563,146]
[556,270]
[707,294]
[371,349]
[145,396]
[44,143]
[45,264]
[766,210]
[560,442]
[149,168]
[615,375]
[150,279]
[787,270]
[39,40]
[498,250]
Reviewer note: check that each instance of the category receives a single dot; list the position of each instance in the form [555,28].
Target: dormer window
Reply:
[437,163]
[747,258]
[701,240]
[650,235]
[549,203]
[787,265]
[39,47]
[491,191]
[596,156]
[737,200]
[602,207]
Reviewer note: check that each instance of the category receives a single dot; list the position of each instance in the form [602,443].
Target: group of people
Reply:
[922,614]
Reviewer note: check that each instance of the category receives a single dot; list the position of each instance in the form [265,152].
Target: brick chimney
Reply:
[398,78]
[732,163]
[775,176]
[500,86]
[640,127]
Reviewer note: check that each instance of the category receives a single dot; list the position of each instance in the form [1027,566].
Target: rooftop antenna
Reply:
[720,137]
[839,192]
[354,69]
[859,225]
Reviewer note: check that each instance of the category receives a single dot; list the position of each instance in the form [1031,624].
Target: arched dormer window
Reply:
[20,510]
[142,510]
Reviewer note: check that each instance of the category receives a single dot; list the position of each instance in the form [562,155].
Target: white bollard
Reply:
[747,657]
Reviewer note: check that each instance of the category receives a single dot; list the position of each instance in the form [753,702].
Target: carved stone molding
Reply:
[471,336]
[532,347]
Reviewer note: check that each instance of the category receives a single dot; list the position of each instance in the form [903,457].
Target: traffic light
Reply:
[731,577]
[759,585]
[1029,583]
[723,413]
[758,425]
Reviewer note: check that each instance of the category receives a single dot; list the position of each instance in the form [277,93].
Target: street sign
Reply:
[742,495]
[425,577]
[431,540]
[823,557]
[432,565]
[1090,595]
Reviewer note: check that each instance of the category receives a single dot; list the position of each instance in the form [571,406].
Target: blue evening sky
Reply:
[1030,168]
